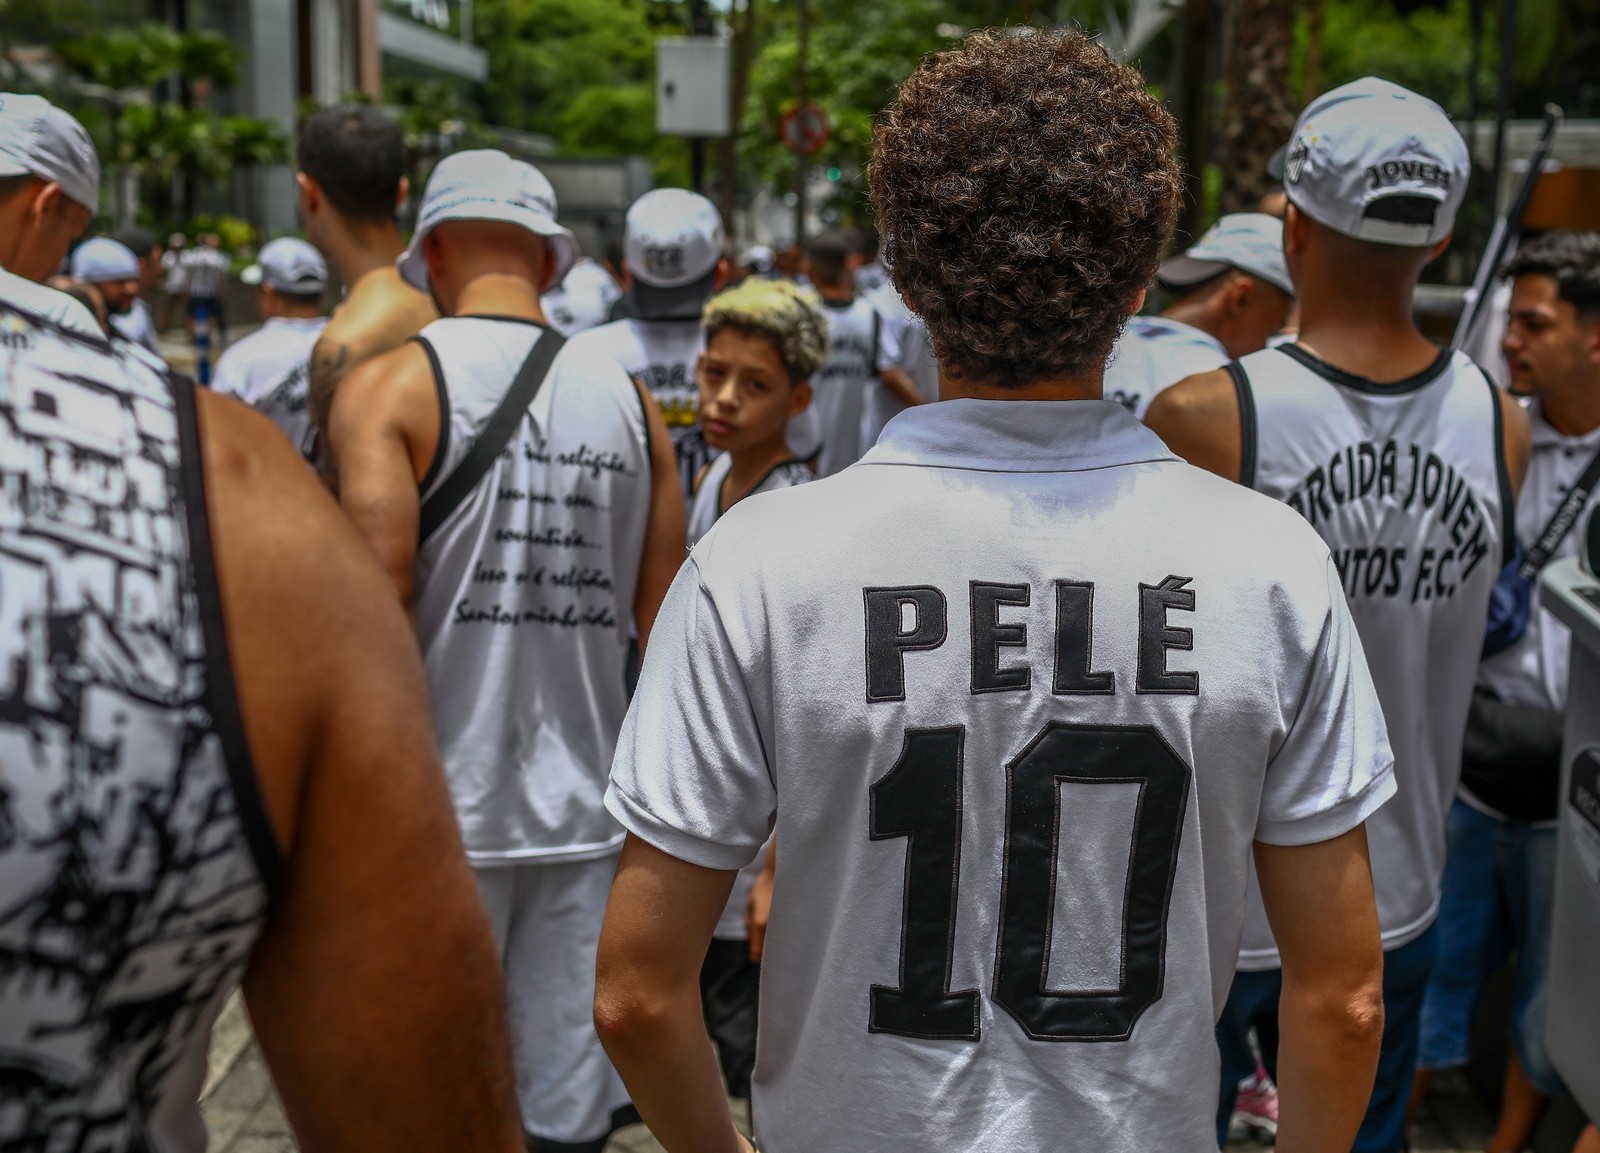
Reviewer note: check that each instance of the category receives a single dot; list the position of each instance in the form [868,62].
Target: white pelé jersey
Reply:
[525,592]
[1019,690]
[1407,484]
[270,370]
[703,513]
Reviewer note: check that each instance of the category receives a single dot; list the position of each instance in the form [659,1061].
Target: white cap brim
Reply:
[414,269]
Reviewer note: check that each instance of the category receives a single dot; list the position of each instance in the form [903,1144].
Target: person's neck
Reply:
[747,466]
[499,294]
[1572,410]
[837,294]
[10,237]
[1195,315]
[1367,330]
[362,250]
[1087,385]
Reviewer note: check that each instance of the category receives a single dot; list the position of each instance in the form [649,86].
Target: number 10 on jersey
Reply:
[920,799]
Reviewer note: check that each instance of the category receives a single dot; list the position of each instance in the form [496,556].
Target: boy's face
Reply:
[1548,346]
[746,396]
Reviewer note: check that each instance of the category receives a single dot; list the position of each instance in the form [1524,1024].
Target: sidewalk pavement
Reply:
[244,1116]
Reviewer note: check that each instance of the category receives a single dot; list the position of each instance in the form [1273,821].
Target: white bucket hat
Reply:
[486,184]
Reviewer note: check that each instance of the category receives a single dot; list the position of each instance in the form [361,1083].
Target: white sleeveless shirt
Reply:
[1407,484]
[707,504]
[137,861]
[525,592]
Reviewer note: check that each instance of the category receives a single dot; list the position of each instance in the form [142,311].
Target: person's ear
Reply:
[1592,341]
[799,398]
[50,201]
[1133,308]
[719,275]
[307,192]
[1438,249]
[1241,292]
[401,193]
[1296,228]
[627,277]
[432,255]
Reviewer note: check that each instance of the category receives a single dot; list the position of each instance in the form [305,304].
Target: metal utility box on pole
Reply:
[692,81]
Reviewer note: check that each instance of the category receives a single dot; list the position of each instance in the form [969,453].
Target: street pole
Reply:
[802,161]
[1502,113]
[699,25]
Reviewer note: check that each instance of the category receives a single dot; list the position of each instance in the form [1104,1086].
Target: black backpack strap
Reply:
[495,436]
[1247,423]
[1562,520]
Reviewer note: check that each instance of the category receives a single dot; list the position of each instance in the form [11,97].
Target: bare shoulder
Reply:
[1518,446]
[1198,418]
[1202,397]
[398,377]
[302,597]
[381,313]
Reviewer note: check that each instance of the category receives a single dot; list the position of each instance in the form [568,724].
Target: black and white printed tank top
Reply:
[1407,484]
[136,859]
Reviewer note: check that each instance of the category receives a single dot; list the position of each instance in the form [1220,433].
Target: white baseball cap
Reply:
[1367,142]
[288,264]
[1249,241]
[486,184]
[39,139]
[674,241]
[102,260]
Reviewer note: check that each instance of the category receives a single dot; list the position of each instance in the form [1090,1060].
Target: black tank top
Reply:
[136,860]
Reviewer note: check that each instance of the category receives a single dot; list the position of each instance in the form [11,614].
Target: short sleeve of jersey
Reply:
[891,340]
[1334,767]
[690,775]
[226,378]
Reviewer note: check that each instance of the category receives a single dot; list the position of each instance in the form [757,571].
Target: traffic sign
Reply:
[804,130]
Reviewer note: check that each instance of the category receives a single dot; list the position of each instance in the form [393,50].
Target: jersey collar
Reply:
[1182,329]
[1018,436]
[1544,436]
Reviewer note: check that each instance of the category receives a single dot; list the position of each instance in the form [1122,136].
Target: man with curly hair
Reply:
[1018,694]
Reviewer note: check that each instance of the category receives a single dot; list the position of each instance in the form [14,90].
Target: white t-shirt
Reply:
[1533,672]
[909,336]
[50,304]
[138,326]
[860,346]
[661,354]
[1020,666]
[270,370]
[1154,353]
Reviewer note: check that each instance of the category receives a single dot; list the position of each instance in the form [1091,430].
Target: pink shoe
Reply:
[1255,1110]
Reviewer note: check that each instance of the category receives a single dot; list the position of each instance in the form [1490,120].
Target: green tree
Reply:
[581,71]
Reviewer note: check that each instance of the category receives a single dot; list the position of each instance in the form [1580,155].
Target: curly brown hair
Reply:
[1026,185]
